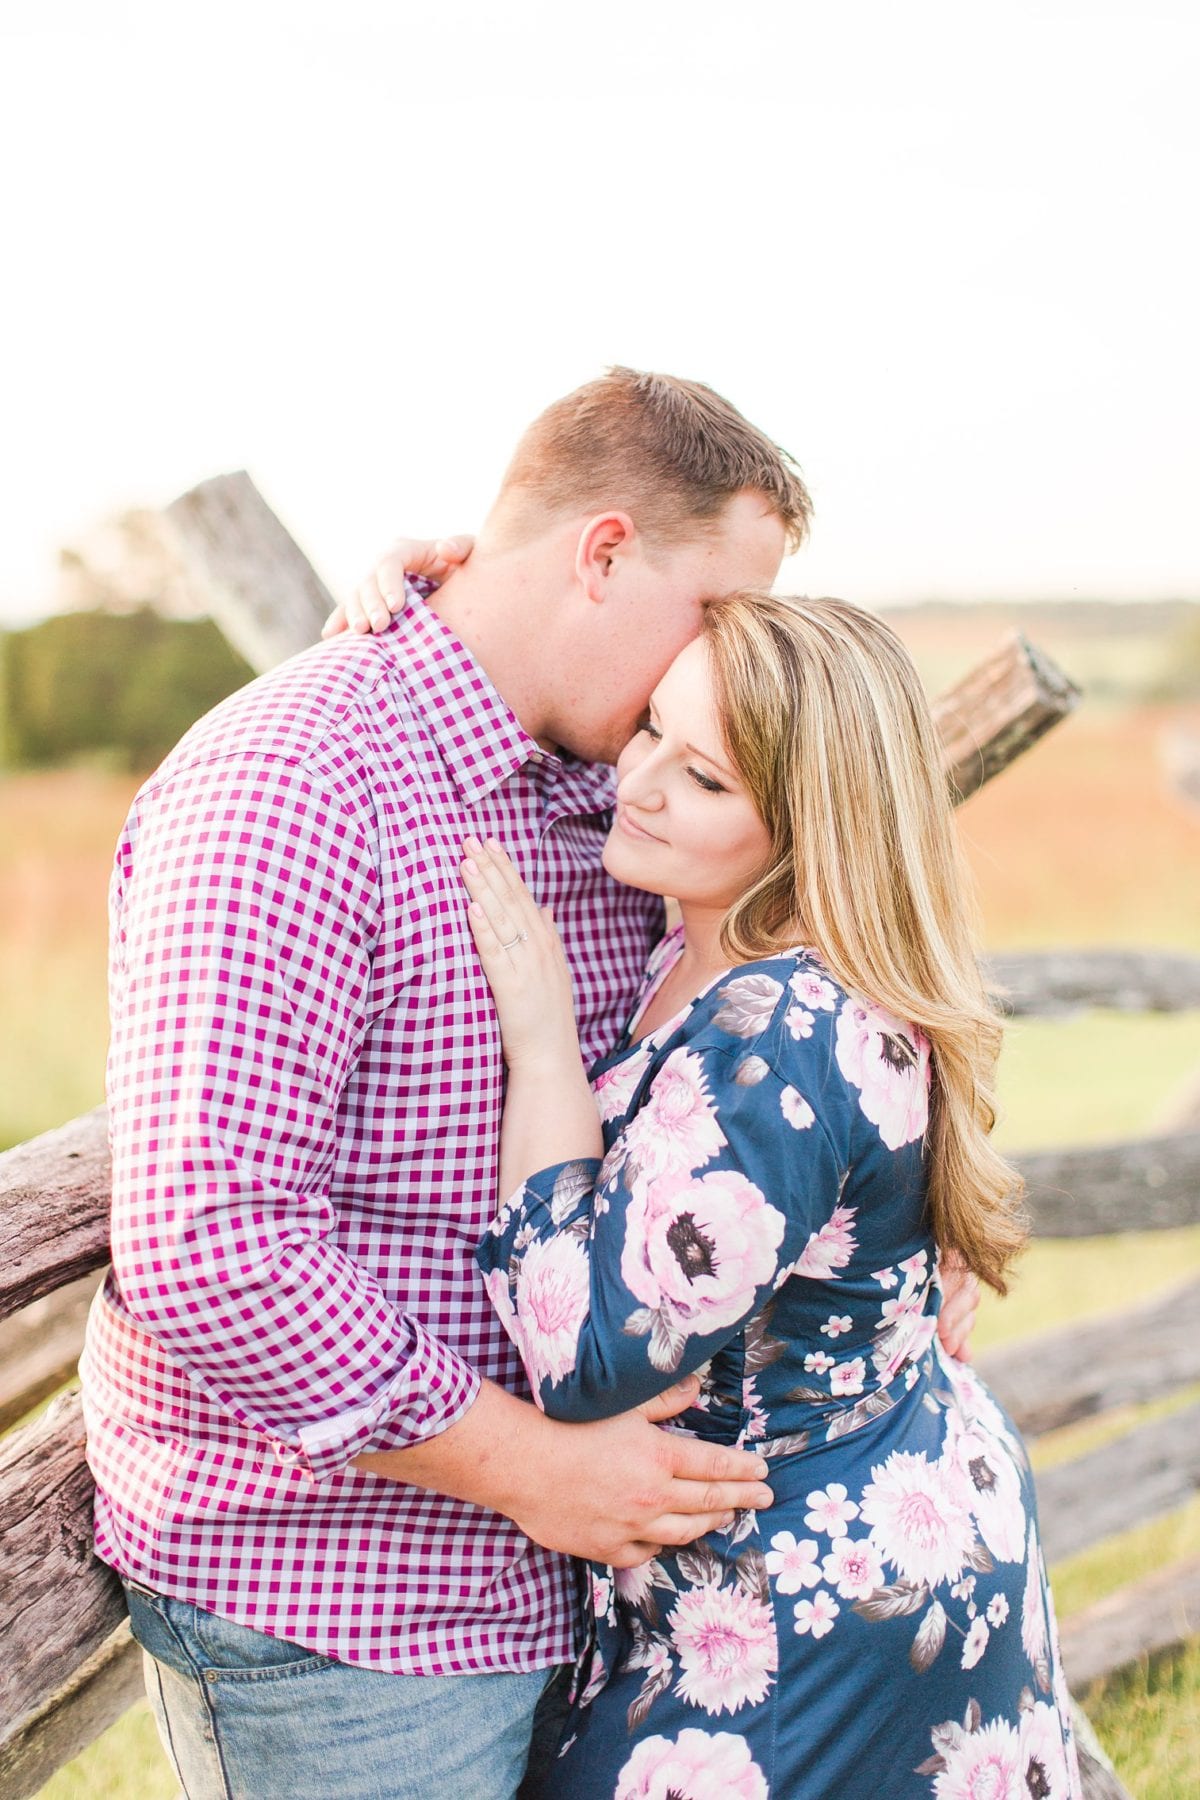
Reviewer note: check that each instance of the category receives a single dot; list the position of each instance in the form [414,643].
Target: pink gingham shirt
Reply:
[305,1090]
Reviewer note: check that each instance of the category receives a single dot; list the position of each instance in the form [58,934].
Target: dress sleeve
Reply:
[615,1278]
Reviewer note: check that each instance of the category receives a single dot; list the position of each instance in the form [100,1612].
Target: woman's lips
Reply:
[634,830]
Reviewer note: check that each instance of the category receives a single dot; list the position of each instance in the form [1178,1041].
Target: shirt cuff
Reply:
[428,1395]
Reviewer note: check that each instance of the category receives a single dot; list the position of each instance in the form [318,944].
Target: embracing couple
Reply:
[444,1180]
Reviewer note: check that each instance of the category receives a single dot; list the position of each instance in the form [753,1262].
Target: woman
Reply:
[757,1186]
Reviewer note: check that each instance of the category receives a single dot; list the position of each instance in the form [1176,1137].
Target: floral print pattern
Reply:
[697,1765]
[758,1217]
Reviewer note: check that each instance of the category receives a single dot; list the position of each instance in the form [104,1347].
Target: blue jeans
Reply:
[244,1716]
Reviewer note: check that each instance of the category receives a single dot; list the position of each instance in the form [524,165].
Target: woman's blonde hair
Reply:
[828,725]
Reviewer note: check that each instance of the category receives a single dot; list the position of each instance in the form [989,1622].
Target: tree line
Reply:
[120,685]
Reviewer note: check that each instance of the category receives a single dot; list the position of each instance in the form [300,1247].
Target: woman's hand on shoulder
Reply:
[375,601]
[523,959]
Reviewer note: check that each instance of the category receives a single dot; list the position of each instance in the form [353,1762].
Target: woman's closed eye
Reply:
[706,782]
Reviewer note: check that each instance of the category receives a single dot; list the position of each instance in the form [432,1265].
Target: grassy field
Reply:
[1080,844]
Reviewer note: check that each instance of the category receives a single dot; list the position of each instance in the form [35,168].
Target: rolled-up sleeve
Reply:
[245,904]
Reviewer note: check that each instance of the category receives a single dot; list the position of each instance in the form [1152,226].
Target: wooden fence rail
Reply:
[71,1668]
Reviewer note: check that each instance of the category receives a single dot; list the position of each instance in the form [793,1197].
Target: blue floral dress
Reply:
[885,1628]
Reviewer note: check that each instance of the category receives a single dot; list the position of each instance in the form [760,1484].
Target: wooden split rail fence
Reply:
[70,1666]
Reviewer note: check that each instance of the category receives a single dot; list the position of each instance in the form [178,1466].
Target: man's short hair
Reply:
[671,453]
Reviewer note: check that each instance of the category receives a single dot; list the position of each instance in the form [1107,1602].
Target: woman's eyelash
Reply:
[698,776]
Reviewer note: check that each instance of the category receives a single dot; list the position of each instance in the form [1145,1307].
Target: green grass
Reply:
[1148,1719]
[57,831]
[125,1763]
[1062,1281]
[1146,1716]
[1079,1581]
[1098,1076]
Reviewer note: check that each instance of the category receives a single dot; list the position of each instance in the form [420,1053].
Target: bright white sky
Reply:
[945,251]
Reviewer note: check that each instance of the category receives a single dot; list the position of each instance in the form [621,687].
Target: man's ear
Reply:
[602,541]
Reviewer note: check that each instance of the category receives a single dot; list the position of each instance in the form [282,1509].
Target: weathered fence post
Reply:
[260,587]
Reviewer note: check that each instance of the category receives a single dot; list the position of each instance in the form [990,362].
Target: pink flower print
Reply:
[829,1250]
[997,1610]
[916,1275]
[676,1131]
[795,1109]
[853,1567]
[697,1765]
[1062,1698]
[695,1252]
[813,990]
[848,1377]
[975,1404]
[904,1306]
[791,1564]
[887,1278]
[752,1407]
[993,1489]
[889,1064]
[614,1088]
[748,1005]
[1033,1609]
[799,1022]
[1044,1761]
[602,1598]
[982,1765]
[597,1681]
[817,1615]
[830,1510]
[976,1643]
[553,1291]
[919,1518]
[496,1283]
[817,1361]
[634,1585]
[902,1343]
[835,1324]
[725,1641]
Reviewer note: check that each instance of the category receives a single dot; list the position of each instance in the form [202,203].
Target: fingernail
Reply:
[761,1468]
[472,868]
[727,1521]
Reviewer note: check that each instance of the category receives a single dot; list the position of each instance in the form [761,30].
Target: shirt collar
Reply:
[481,739]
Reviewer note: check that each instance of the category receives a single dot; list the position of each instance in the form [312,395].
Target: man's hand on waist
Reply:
[613,1491]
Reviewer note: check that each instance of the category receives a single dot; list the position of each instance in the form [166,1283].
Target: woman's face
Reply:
[685,825]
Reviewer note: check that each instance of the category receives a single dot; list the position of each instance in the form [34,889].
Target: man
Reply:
[335,1512]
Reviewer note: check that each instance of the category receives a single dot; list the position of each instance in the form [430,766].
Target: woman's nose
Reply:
[640,785]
